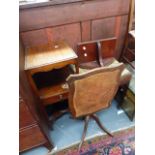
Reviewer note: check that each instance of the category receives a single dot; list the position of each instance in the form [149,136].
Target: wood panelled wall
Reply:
[75,22]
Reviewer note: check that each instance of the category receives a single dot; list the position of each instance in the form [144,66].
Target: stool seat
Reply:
[93,91]
[111,62]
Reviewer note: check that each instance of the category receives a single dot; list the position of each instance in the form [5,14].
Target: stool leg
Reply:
[95,117]
[84,132]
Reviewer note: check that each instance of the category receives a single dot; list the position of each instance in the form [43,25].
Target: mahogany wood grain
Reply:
[36,37]
[103,28]
[86,30]
[111,27]
[46,35]
[37,18]
[57,65]
[81,21]
[70,33]
[88,51]
[47,54]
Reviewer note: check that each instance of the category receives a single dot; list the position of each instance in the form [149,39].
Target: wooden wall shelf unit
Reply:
[47,67]
[90,54]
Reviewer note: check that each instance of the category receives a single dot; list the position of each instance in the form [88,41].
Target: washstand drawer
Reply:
[30,137]
[56,98]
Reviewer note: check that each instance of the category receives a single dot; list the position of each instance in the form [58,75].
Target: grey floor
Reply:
[67,131]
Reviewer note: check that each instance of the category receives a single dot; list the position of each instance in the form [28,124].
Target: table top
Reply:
[43,55]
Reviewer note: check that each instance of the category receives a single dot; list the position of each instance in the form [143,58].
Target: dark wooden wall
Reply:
[75,22]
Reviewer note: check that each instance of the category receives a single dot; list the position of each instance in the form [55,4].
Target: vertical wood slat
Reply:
[117,25]
[121,35]
[132,9]
[86,30]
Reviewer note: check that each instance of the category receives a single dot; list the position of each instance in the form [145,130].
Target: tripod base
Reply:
[87,118]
